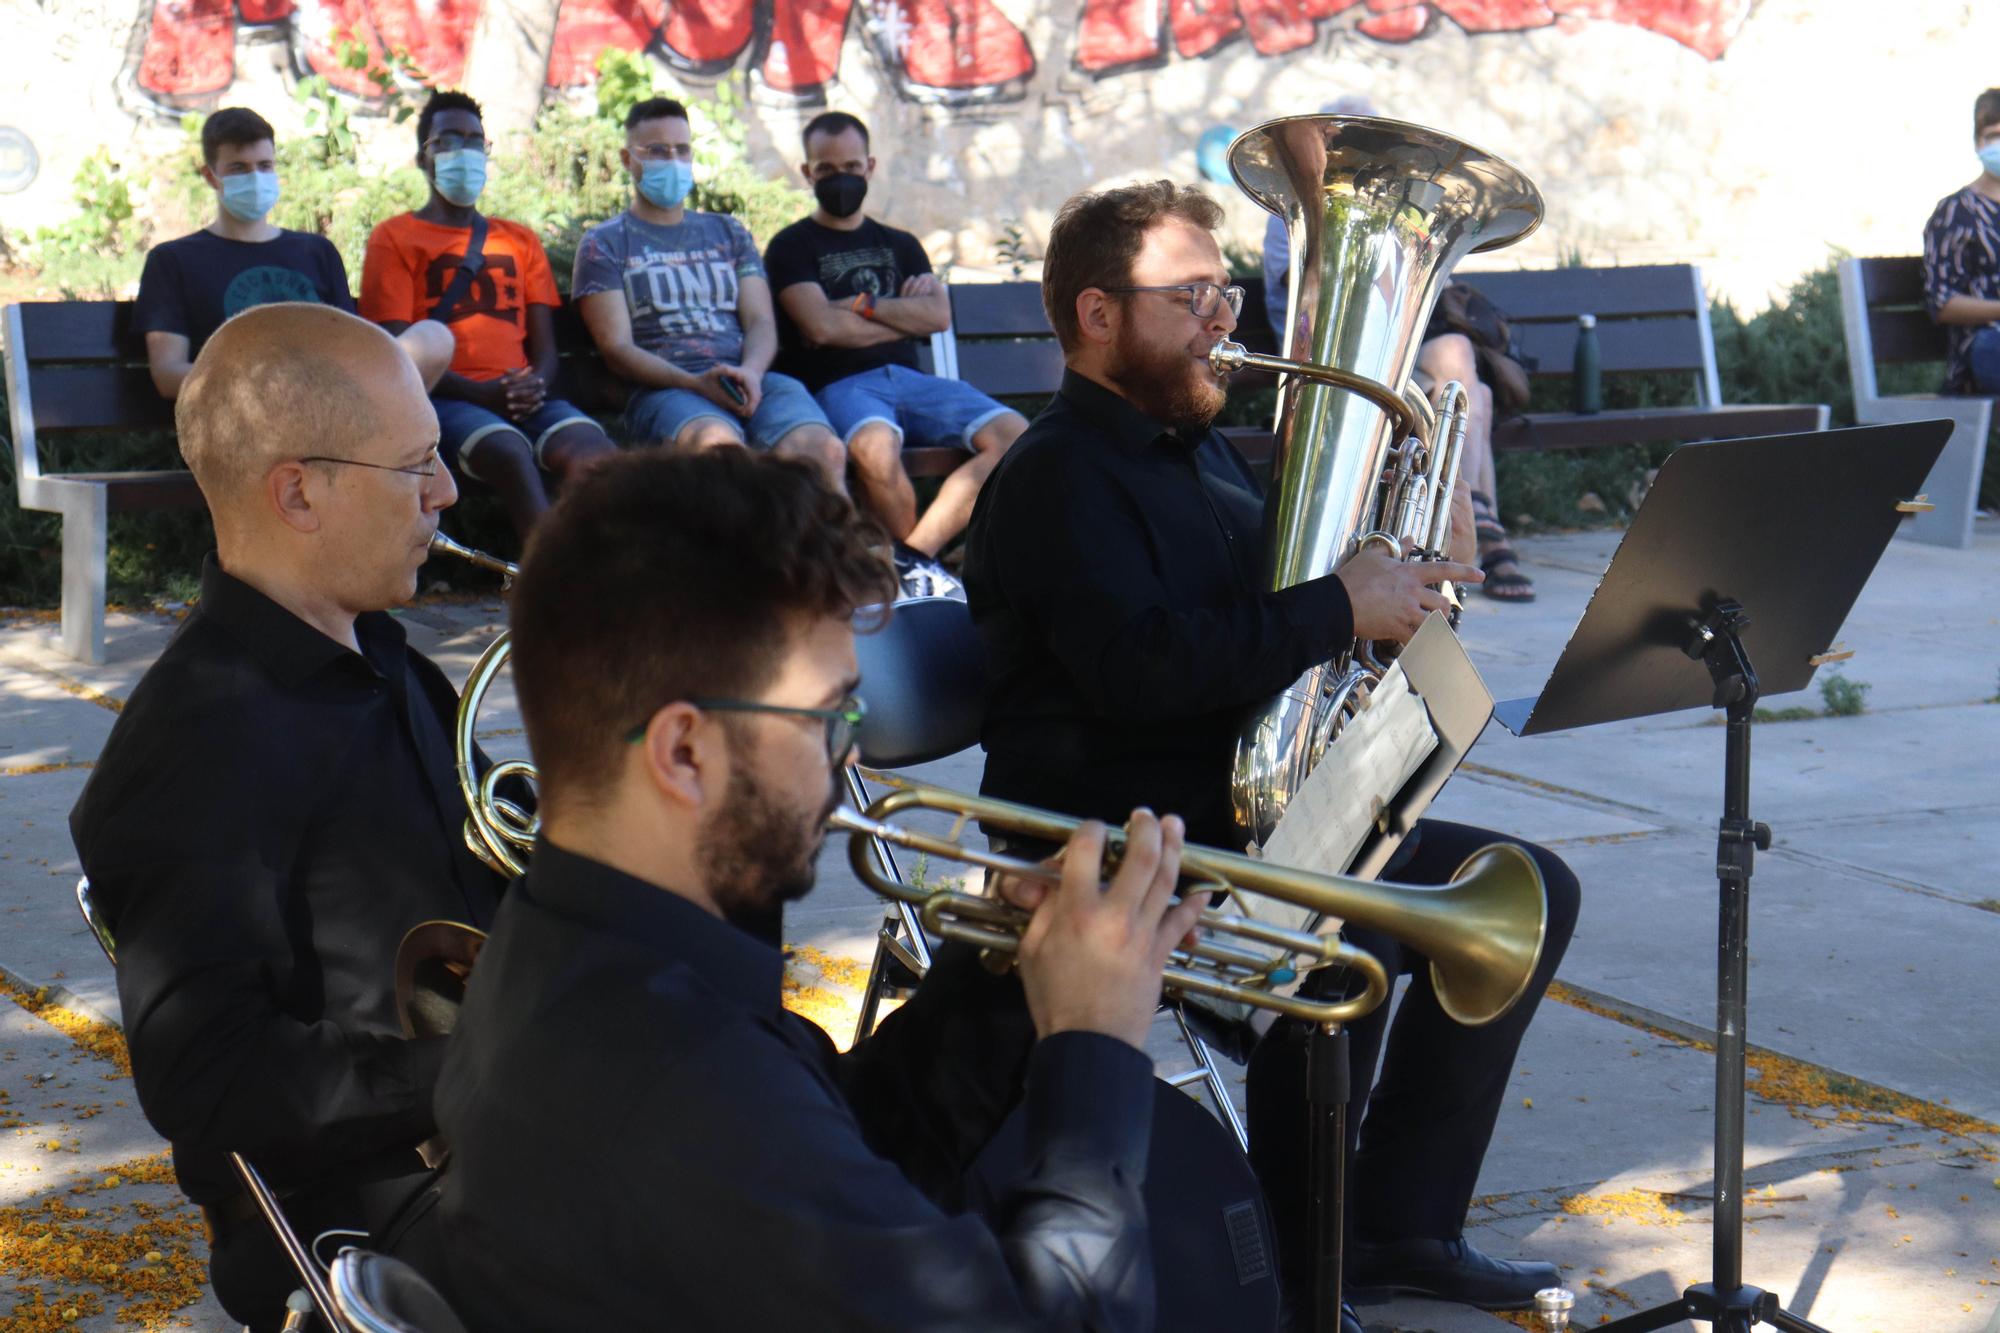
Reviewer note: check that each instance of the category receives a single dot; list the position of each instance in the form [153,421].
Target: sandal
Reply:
[1485,523]
[1505,585]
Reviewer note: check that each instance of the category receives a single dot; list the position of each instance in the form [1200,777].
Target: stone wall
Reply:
[1748,138]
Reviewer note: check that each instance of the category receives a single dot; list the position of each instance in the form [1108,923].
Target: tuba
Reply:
[1379,212]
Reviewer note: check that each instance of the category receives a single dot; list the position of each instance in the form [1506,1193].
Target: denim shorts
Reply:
[462,425]
[657,416]
[925,410]
[1986,360]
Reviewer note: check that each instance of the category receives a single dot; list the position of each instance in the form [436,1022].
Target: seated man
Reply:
[854,297]
[1112,568]
[190,285]
[676,301]
[488,281]
[278,802]
[642,1136]
[1962,263]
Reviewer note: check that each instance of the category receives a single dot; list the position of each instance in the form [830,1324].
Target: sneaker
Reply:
[922,576]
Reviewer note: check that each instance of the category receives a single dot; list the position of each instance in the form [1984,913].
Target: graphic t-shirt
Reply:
[192,284]
[410,262]
[872,258]
[681,283]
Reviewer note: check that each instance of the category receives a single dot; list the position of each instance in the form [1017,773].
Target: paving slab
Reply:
[1952,853]
[43,940]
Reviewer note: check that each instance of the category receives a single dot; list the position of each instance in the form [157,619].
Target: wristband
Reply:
[864,305]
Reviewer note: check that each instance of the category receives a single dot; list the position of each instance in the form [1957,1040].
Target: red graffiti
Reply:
[949,51]
[1117,35]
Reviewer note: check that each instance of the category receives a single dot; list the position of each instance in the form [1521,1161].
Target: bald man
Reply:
[278,802]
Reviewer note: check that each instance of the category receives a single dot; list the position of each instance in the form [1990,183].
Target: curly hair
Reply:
[443,100]
[1097,236]
[667,576]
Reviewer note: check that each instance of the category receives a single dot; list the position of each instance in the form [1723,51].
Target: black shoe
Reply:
[1447,1270]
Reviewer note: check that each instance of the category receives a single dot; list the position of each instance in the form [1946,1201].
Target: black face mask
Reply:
[841,195]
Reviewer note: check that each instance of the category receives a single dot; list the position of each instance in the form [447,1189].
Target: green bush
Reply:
[99,251]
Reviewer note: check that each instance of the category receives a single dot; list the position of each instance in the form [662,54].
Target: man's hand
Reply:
[709,384]
[923,284]
[1091,958]
[523,393]
[1391,597]
[752,384]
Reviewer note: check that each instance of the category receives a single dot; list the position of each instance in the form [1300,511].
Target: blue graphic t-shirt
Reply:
[681,283]
[191,285]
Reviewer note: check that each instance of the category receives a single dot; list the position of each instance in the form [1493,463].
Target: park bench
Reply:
[73,367]
[1888,323]
[1651,319]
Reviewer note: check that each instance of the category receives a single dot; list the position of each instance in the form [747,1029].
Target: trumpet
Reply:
[1483,931]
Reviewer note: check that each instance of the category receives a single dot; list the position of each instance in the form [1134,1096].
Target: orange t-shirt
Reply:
[410,262]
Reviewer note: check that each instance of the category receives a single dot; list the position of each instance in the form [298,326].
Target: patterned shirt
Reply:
[1961,258]
[681,283]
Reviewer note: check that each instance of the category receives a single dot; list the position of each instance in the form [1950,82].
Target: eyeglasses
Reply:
[1202,297]
[664,152]
[456,143]
[427,468]
[843,724]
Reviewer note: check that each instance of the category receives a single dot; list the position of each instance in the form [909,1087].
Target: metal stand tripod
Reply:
[1725,1302]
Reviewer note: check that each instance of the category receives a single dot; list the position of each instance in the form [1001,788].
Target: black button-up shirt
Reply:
[271,813]
[643,1137]
[1115,572]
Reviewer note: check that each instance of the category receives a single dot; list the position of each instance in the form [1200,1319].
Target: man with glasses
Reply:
[641,1135]
[854,299]
[278,802]
[488,281]
[242,259]
[676,301]
[1114,566]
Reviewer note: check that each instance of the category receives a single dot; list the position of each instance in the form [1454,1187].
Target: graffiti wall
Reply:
[1746,135]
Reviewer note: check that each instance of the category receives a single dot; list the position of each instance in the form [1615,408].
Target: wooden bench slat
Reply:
[96,398]
[1623,345]
[1528,296]
[1893,282]
[1007,369]
[1902,336]
[1652,425]
[999,309]
[80,331]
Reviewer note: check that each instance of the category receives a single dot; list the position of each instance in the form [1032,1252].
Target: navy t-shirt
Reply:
[872,258]
[192,284]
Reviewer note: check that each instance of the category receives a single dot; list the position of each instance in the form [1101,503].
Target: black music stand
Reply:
[1742,546]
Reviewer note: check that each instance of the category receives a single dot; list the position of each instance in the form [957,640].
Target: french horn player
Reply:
[1160,632]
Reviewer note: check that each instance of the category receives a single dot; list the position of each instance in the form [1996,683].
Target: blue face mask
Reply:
[248,197]
[460,176]
[1989,157]
[665,184]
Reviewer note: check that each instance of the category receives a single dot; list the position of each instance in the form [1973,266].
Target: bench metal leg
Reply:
[85,530]
[1953,484]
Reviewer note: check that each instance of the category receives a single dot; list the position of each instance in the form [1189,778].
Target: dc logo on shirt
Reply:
[266,284]
[495,289]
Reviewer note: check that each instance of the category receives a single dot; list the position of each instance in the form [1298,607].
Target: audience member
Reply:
[488,281]
[279,802]
[1962,263]
[240,259]
[676,302]
[854,296]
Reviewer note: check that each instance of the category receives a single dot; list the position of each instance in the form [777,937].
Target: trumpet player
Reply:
[641,1134]
[1113,566]
[278,801]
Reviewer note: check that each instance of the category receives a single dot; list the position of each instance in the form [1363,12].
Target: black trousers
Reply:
[1416,1135]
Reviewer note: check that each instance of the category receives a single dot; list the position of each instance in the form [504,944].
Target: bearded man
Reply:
[1114,567]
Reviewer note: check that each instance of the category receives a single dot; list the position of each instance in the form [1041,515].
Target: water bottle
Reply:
[1585,380]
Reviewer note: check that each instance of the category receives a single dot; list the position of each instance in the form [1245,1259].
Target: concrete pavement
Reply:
[1875,920]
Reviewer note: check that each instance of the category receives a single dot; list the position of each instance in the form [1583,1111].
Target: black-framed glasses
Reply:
[843,723]
[1202,297]
[427,468]
[456,143]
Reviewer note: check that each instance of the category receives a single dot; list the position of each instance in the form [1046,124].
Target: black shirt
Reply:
[873,259]
[192,284]
[1115,572]
[271,813]
[643,1137]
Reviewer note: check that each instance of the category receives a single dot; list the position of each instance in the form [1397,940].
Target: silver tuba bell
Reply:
[1379,213]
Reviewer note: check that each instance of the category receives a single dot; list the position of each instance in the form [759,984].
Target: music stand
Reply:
[1742,548]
